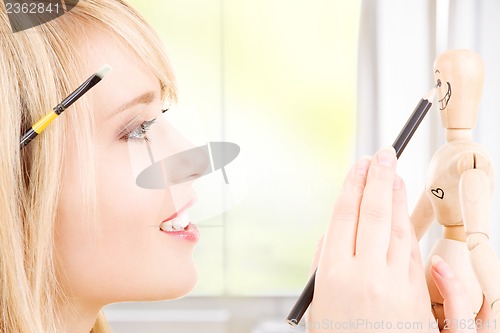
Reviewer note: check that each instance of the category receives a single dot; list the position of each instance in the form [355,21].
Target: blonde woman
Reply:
[76,231]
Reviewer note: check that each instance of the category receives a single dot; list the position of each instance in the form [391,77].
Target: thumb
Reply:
[457,306]
[312,269]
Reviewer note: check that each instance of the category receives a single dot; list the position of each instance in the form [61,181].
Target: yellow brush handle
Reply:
[40,125]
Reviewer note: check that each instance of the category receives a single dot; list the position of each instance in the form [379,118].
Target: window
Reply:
[277,77]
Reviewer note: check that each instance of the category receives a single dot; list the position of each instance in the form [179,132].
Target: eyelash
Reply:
[141,131]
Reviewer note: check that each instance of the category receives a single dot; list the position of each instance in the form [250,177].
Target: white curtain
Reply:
[399,41]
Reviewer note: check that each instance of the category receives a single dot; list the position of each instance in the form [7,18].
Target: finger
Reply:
[339,241]
[416,270]
[399,252]
[375,216]
[317,255]
[457,306]
[485,320]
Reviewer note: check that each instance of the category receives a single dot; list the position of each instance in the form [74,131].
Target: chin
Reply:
[176,286]
[185,287]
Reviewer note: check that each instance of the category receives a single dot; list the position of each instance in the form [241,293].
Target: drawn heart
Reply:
[439,193]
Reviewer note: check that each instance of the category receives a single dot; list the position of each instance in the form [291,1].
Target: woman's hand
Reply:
[457,307]
[370,276]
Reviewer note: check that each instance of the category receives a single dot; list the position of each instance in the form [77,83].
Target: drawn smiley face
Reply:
[443,88]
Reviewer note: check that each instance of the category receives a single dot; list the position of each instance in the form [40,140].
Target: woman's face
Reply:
[123,255]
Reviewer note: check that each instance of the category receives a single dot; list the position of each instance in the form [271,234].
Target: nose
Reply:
[195,162]
[174,159]
[189,163]
[186,165]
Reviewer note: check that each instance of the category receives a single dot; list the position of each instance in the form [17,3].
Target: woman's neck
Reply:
[75,317]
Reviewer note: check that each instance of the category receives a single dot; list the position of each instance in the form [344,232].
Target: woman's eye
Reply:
[140,133]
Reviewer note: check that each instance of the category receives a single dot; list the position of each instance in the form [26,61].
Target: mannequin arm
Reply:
[422,216]
[475,198]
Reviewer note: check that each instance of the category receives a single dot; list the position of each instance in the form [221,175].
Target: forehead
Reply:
[129,78]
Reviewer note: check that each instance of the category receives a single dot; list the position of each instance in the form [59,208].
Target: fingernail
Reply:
[398,183]
[362,166]
[386,157]
[441,267]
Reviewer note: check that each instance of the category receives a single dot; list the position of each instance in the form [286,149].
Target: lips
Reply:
[443,103]
[190,233]
[179,222]
[180,211]
[179,226]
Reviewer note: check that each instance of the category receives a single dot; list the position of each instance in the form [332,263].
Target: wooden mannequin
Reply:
[459,185]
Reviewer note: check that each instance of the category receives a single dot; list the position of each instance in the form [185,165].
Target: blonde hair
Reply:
[39,67]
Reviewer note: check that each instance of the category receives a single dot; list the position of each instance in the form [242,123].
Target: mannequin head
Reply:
[459,74]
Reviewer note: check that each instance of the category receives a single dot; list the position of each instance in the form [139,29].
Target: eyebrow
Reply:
[437,71]
[145,98]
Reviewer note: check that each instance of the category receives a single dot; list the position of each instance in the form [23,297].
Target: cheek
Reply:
[120,254]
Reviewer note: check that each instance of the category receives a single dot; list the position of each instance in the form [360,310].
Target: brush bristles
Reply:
[101,73]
